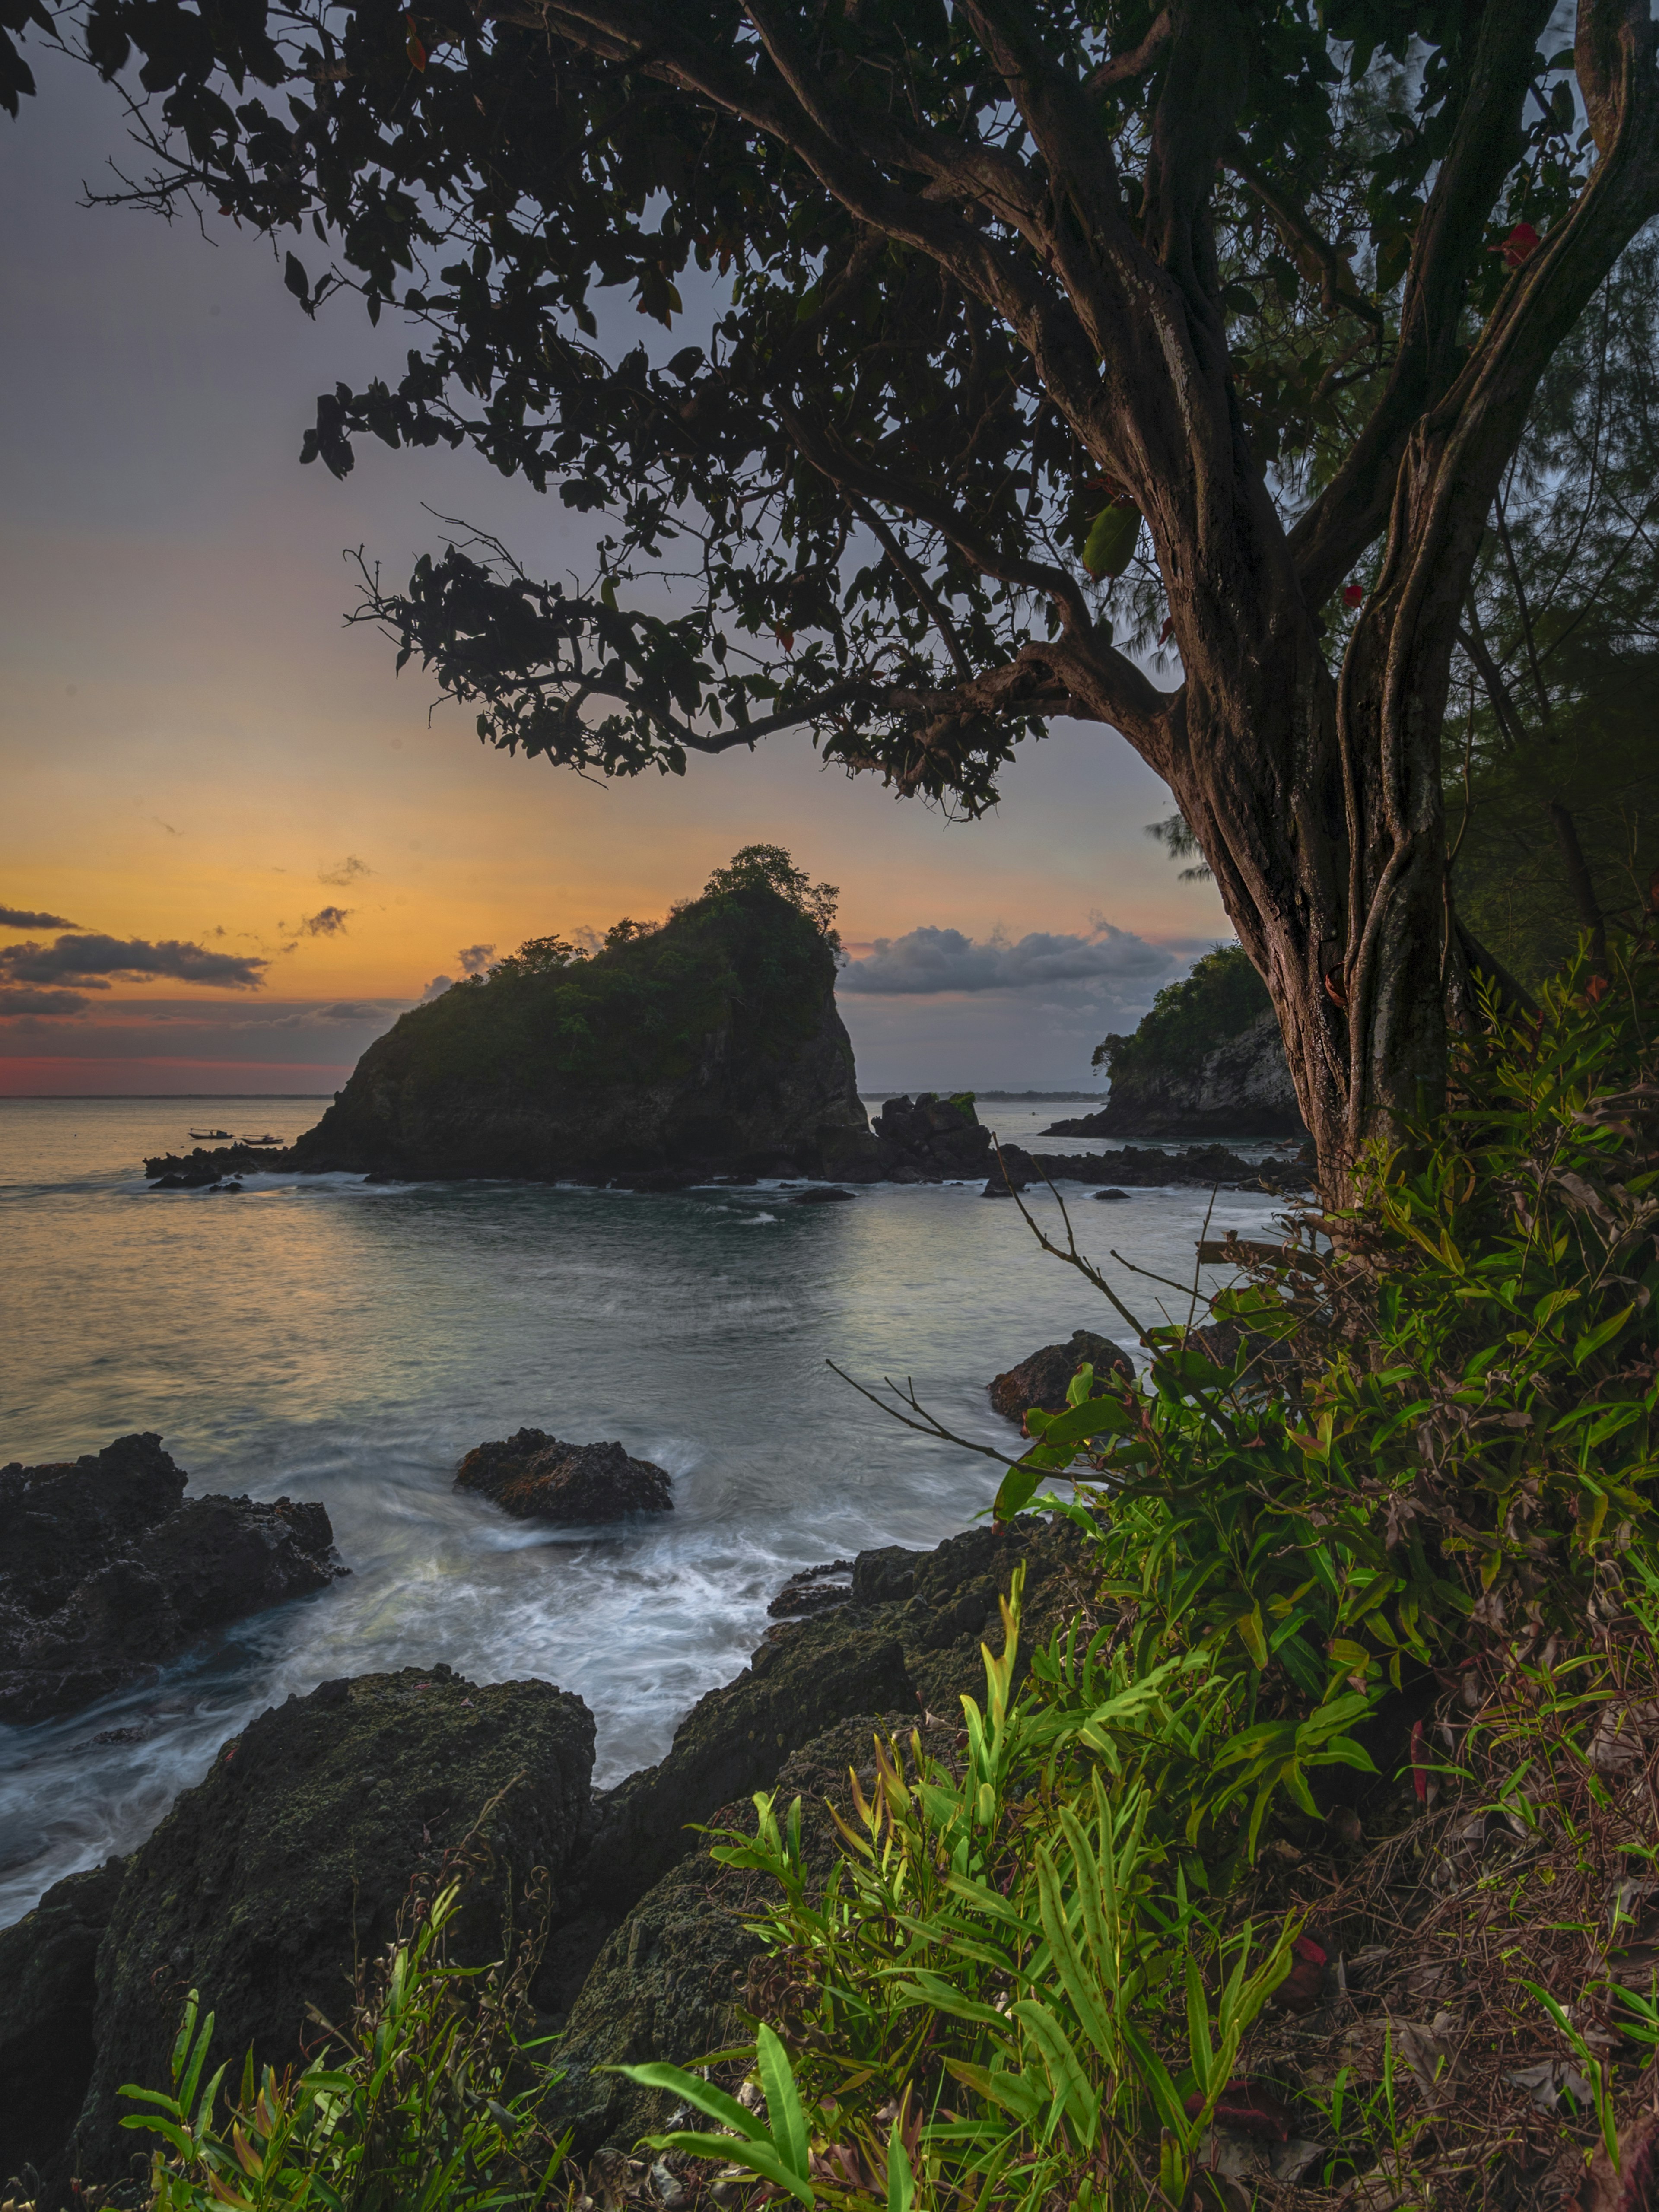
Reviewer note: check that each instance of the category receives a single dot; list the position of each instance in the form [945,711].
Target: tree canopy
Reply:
[1015,333]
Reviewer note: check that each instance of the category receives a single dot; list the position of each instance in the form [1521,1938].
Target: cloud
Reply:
[475,959]
[19,917]
[90,961]
[929,960]
[15,1003]
[344,872]
[328,921]
[436,989]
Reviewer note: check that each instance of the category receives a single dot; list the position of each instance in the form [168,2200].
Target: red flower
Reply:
[1518,248]
[786,638]
[1163,635]
[1353,595]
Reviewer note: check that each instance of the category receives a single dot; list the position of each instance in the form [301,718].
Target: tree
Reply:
[1554,788]
[996,294]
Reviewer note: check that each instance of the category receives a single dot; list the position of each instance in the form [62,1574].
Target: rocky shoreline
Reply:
[925,1139]
[290,1859]
[293,1855]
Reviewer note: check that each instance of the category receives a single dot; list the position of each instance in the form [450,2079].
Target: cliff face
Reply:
[1241,1088]
[1206,1062]
[711,1045]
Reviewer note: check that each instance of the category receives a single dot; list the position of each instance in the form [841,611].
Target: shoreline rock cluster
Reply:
[107,1569]
[925,1140]
[292,1855]
[290,1859]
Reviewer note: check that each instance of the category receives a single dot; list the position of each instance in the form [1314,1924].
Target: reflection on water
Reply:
[325,1338]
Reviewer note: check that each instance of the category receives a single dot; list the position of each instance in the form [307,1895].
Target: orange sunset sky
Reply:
[196,754]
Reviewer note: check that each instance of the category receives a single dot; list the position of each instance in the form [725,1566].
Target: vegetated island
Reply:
[708,1046]
[1207,1060]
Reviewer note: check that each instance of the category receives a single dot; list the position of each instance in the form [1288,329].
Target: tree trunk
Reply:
[1581,885]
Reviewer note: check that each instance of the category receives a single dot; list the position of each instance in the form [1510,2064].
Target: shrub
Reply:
[1220,996]
[425,2101]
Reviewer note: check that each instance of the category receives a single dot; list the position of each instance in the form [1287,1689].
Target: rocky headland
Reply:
[107,1569]
[290,1860]
[1207,1060]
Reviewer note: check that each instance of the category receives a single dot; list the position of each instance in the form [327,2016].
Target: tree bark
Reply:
[1581,885]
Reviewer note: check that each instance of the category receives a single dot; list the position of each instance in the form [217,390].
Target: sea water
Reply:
[326,1338]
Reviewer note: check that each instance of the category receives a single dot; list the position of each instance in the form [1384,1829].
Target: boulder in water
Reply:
[107,1569]
[1042,1381]
[534,1477]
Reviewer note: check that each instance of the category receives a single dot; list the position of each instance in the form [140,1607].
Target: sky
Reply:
[235,846]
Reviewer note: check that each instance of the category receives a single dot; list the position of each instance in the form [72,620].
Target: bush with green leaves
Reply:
[426,2102]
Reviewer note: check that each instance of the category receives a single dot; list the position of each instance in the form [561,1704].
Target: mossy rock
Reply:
[48,1995]
[267,1880]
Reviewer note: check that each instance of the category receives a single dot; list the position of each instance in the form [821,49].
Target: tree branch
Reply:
[1318,259]
[1353,508]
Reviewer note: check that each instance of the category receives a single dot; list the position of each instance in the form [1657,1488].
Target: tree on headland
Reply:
[1027,322]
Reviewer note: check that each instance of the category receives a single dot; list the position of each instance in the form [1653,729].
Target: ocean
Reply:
[325,1338]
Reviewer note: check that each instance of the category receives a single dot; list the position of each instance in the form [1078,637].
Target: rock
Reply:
[48,1990]
[710,1046]
[1042,1381]
[951,1607]
[931,1139]
[814,1589]
[1198,1167]
[674,1980]
[292,1858]
[831,1197]
[1207,1060]
[534,1477]
[1102,1195]
[106,1571]
[734,1740]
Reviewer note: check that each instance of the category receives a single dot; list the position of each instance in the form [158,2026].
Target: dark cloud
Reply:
[19,917]
[328,921]
[92,961]
[929,959]
[475,959]
[15,1003]
[436,988]
[344,872]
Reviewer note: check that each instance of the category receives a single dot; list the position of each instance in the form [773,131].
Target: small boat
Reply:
[204,1136]
[258,1140]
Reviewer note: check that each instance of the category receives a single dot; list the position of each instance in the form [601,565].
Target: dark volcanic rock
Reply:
[710,1046]
[673,1980]
[536,1478]
[106,1570]
[294,1856]
[931,1139]
[1042,1380]
[1197,1167]
[813,1589]
[48,1991]
[820,1197]
[806,1675]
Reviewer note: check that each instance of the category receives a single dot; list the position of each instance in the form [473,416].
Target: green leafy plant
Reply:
[426,2102]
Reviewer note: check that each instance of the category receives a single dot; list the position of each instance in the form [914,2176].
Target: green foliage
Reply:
[1013,1949]
[769,867]
[1440,1421]
[488,177]
[642,1006]
[1221,995]
[1552,699]
[425,2102]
